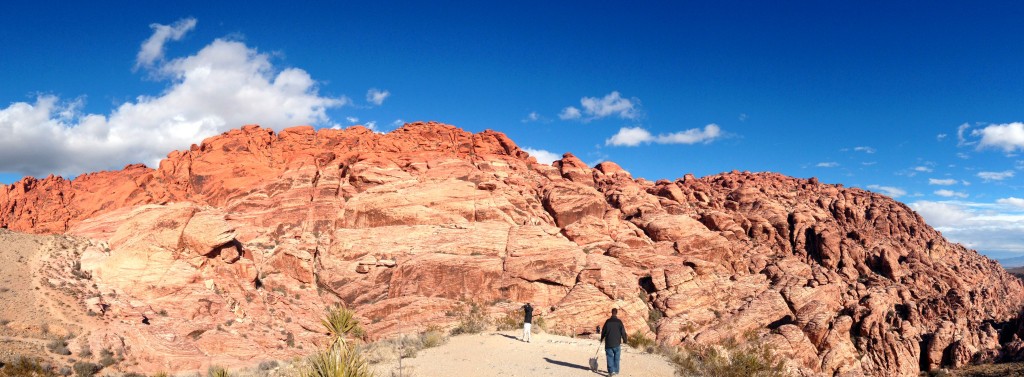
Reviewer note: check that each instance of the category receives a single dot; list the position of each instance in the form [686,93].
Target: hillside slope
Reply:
[252,233]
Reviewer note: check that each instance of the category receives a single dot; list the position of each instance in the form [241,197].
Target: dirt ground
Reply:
[503,354]
[37,308]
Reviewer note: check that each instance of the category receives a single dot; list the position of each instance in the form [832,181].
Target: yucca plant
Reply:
[341,323]
[217,371]
[336,361]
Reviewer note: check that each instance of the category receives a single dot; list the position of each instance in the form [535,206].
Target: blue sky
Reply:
[921,101]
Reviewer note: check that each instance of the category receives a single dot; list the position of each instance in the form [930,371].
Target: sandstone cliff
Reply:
[232,249]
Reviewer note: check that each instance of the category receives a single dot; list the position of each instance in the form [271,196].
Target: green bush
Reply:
[756,359]
[341,323]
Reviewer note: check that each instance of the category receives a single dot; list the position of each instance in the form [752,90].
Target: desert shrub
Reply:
[59,347]
[472,320]
[756,359]
[268,365]
[107,358]
[24,366]
[337,361]
[216,371]
[341,323]
[434,336]
[85,352]
[86,369]
[639,341]
[513,320]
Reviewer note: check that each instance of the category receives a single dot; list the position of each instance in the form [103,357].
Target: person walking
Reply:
[613,334]
[527,321]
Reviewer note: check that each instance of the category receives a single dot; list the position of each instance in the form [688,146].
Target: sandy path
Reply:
[503,354]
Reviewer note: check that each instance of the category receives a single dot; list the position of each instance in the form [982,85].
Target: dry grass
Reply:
[753,359]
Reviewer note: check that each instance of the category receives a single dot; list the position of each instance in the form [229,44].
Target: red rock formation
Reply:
[264,230]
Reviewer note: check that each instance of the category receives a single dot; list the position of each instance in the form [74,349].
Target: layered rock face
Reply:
[232,249]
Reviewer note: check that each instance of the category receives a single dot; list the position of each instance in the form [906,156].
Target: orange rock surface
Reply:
[235,247]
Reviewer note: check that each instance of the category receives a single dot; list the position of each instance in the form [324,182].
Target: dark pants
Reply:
[613,354]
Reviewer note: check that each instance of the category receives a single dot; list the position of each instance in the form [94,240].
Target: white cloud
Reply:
[531,117]
[376,96]
[596,108]
[542,156]
[940,137]
[995,175]
[634,136]
[1012,201]
[923,169]
[868,150]
[153,48]
[941,182]
[830,164]
[570,113]
[950,193]
[397,123]
[352,120]
[1008,137]
[894,192]
[987,227]
[225,85]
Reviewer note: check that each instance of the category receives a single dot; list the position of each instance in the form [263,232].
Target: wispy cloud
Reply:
[830,164]
[352,120]
[596,108]
[634,136]
[225,85]
[923,169]
[153,48]
[543,156]
[940,137]
[995,175]
[534,116]
[894,192]
[941,182]
[950,194]
[960,131]
[377,96]
[1008,137]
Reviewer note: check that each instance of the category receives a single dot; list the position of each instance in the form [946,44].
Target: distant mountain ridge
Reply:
[262,230]
[1011,262]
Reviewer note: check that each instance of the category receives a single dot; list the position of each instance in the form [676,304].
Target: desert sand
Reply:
[503,354]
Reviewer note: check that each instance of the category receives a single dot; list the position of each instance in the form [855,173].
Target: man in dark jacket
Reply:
[613,334]
[527,321]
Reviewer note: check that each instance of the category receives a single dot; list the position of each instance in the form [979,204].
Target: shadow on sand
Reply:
[568,365]
[506,335]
